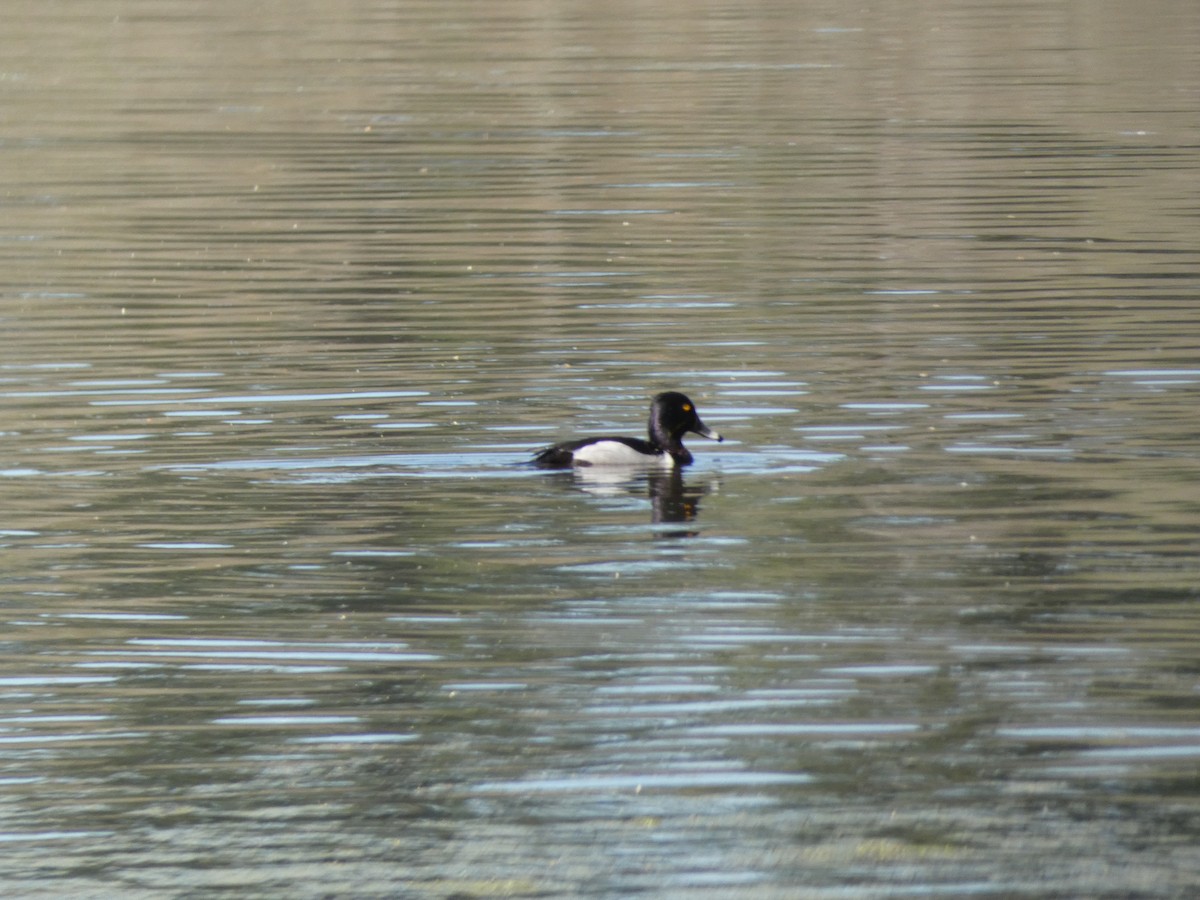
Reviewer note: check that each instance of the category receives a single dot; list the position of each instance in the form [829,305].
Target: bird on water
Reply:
[672,415]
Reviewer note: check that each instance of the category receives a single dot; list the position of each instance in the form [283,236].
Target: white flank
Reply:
[614,453]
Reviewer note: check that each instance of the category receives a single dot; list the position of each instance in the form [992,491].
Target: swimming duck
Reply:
[672,414]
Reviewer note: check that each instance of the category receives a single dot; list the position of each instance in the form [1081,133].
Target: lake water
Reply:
[289,294]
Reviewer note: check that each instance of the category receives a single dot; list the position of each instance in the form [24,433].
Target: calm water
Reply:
[289,293]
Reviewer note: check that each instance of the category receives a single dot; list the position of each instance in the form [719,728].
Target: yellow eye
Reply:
[687,407]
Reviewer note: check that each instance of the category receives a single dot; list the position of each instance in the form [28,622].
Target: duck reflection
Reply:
[672,498]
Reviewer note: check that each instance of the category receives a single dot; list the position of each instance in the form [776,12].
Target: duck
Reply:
[672,415]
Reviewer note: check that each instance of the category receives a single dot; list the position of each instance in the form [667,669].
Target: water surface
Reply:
[290,296]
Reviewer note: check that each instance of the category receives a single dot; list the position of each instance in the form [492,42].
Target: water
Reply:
[291,293]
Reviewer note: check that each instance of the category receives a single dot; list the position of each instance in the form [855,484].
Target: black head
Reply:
[672,415]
